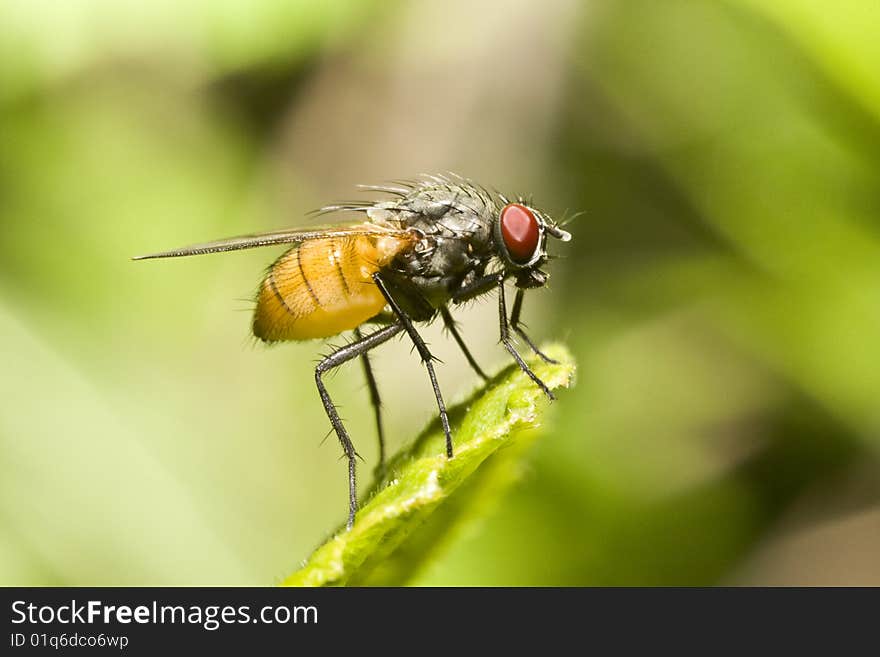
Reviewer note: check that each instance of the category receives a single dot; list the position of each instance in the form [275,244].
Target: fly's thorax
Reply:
[454,211]
[438,262]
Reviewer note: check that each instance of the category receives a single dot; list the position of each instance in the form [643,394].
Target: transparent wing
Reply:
[289,236]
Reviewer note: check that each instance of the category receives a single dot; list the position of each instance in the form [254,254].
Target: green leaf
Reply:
[425,498]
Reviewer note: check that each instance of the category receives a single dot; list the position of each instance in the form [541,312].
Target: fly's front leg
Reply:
[337,358]
[508,344]
[449,322]
[515,325]
[424,353]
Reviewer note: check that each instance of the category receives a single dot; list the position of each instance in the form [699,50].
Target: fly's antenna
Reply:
[558,233]
[556,229]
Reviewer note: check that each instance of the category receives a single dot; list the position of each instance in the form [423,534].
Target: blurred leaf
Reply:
[84,499]
[763,172]
[426,496]
[843,42]
[44,42]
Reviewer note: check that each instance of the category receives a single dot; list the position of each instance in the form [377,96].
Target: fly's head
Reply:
[521,237]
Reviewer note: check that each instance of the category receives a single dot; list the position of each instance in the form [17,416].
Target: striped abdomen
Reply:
[323,287]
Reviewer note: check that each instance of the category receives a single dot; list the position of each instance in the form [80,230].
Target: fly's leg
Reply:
[508,344]
[337,358]
[449,322]
[515,325]
[424,353]
[375,400]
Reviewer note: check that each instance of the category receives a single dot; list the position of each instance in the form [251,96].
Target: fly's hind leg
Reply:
[516,326]
[376,402]
[337,358]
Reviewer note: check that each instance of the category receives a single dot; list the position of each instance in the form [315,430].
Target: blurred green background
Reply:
[721,292]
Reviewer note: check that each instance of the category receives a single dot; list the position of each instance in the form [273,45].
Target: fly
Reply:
[433,243]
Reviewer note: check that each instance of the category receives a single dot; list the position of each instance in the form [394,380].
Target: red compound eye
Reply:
[519,229]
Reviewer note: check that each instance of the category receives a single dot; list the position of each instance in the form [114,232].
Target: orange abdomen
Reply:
[322,287]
